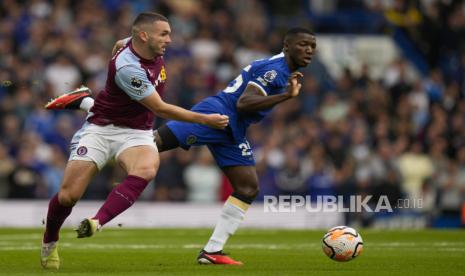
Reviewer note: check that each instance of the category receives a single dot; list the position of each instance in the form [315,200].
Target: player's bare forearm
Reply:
[253,99]
[169,111]
[254,102]
[177,113]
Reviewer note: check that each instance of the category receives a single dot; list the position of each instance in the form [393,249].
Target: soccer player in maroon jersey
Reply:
[120,126]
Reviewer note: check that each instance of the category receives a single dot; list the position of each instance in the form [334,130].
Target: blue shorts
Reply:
[225,149]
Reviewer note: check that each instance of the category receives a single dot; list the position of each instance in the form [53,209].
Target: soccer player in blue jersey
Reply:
[246,100]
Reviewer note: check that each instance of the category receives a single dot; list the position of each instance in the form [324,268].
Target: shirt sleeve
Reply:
[133,80]
[269,80]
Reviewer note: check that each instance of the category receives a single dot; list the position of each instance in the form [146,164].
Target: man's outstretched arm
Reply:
[253,99]
[169,111]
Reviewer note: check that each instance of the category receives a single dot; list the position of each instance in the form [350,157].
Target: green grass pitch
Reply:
[265,252]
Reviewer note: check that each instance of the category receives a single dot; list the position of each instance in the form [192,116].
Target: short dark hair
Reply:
[148,17]
[297,30]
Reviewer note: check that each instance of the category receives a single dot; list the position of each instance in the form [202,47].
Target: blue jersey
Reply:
[229,146]
[269,75]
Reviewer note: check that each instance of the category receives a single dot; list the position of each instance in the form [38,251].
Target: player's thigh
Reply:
[242,176]
[142,161]
[77,175]
[238,164]
[232,154]
[136,152]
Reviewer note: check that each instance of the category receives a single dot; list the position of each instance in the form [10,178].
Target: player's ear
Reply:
[144,36]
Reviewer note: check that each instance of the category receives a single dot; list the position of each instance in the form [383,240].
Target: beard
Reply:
[154,48]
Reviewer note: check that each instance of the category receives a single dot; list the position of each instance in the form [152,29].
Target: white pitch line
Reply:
[27,236]
[105,246]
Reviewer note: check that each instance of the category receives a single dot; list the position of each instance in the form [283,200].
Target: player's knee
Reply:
[247,192]
[67,198]
[146,172]
[251,192]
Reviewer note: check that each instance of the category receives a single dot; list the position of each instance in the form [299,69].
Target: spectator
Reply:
[203,179]
[7,166]
[24,180]
[415,167]
[62,75]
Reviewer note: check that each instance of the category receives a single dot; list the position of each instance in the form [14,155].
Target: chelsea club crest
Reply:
[270,76]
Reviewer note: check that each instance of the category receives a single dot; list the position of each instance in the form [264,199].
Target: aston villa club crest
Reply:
[81,151]
[137,83]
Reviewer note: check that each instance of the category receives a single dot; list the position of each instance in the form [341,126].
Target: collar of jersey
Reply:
[137,55]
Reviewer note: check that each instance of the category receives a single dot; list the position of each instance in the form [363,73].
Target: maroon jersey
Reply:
[130,79]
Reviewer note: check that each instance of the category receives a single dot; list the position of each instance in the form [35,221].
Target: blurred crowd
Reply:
[398,136]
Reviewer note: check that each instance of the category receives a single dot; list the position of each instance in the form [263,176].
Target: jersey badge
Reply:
[135,82]
[270,76]
[82,150]
[191,139]
[163,74]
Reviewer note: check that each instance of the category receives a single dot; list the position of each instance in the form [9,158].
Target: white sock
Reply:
[49,244]
[232,215]
[86,104]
